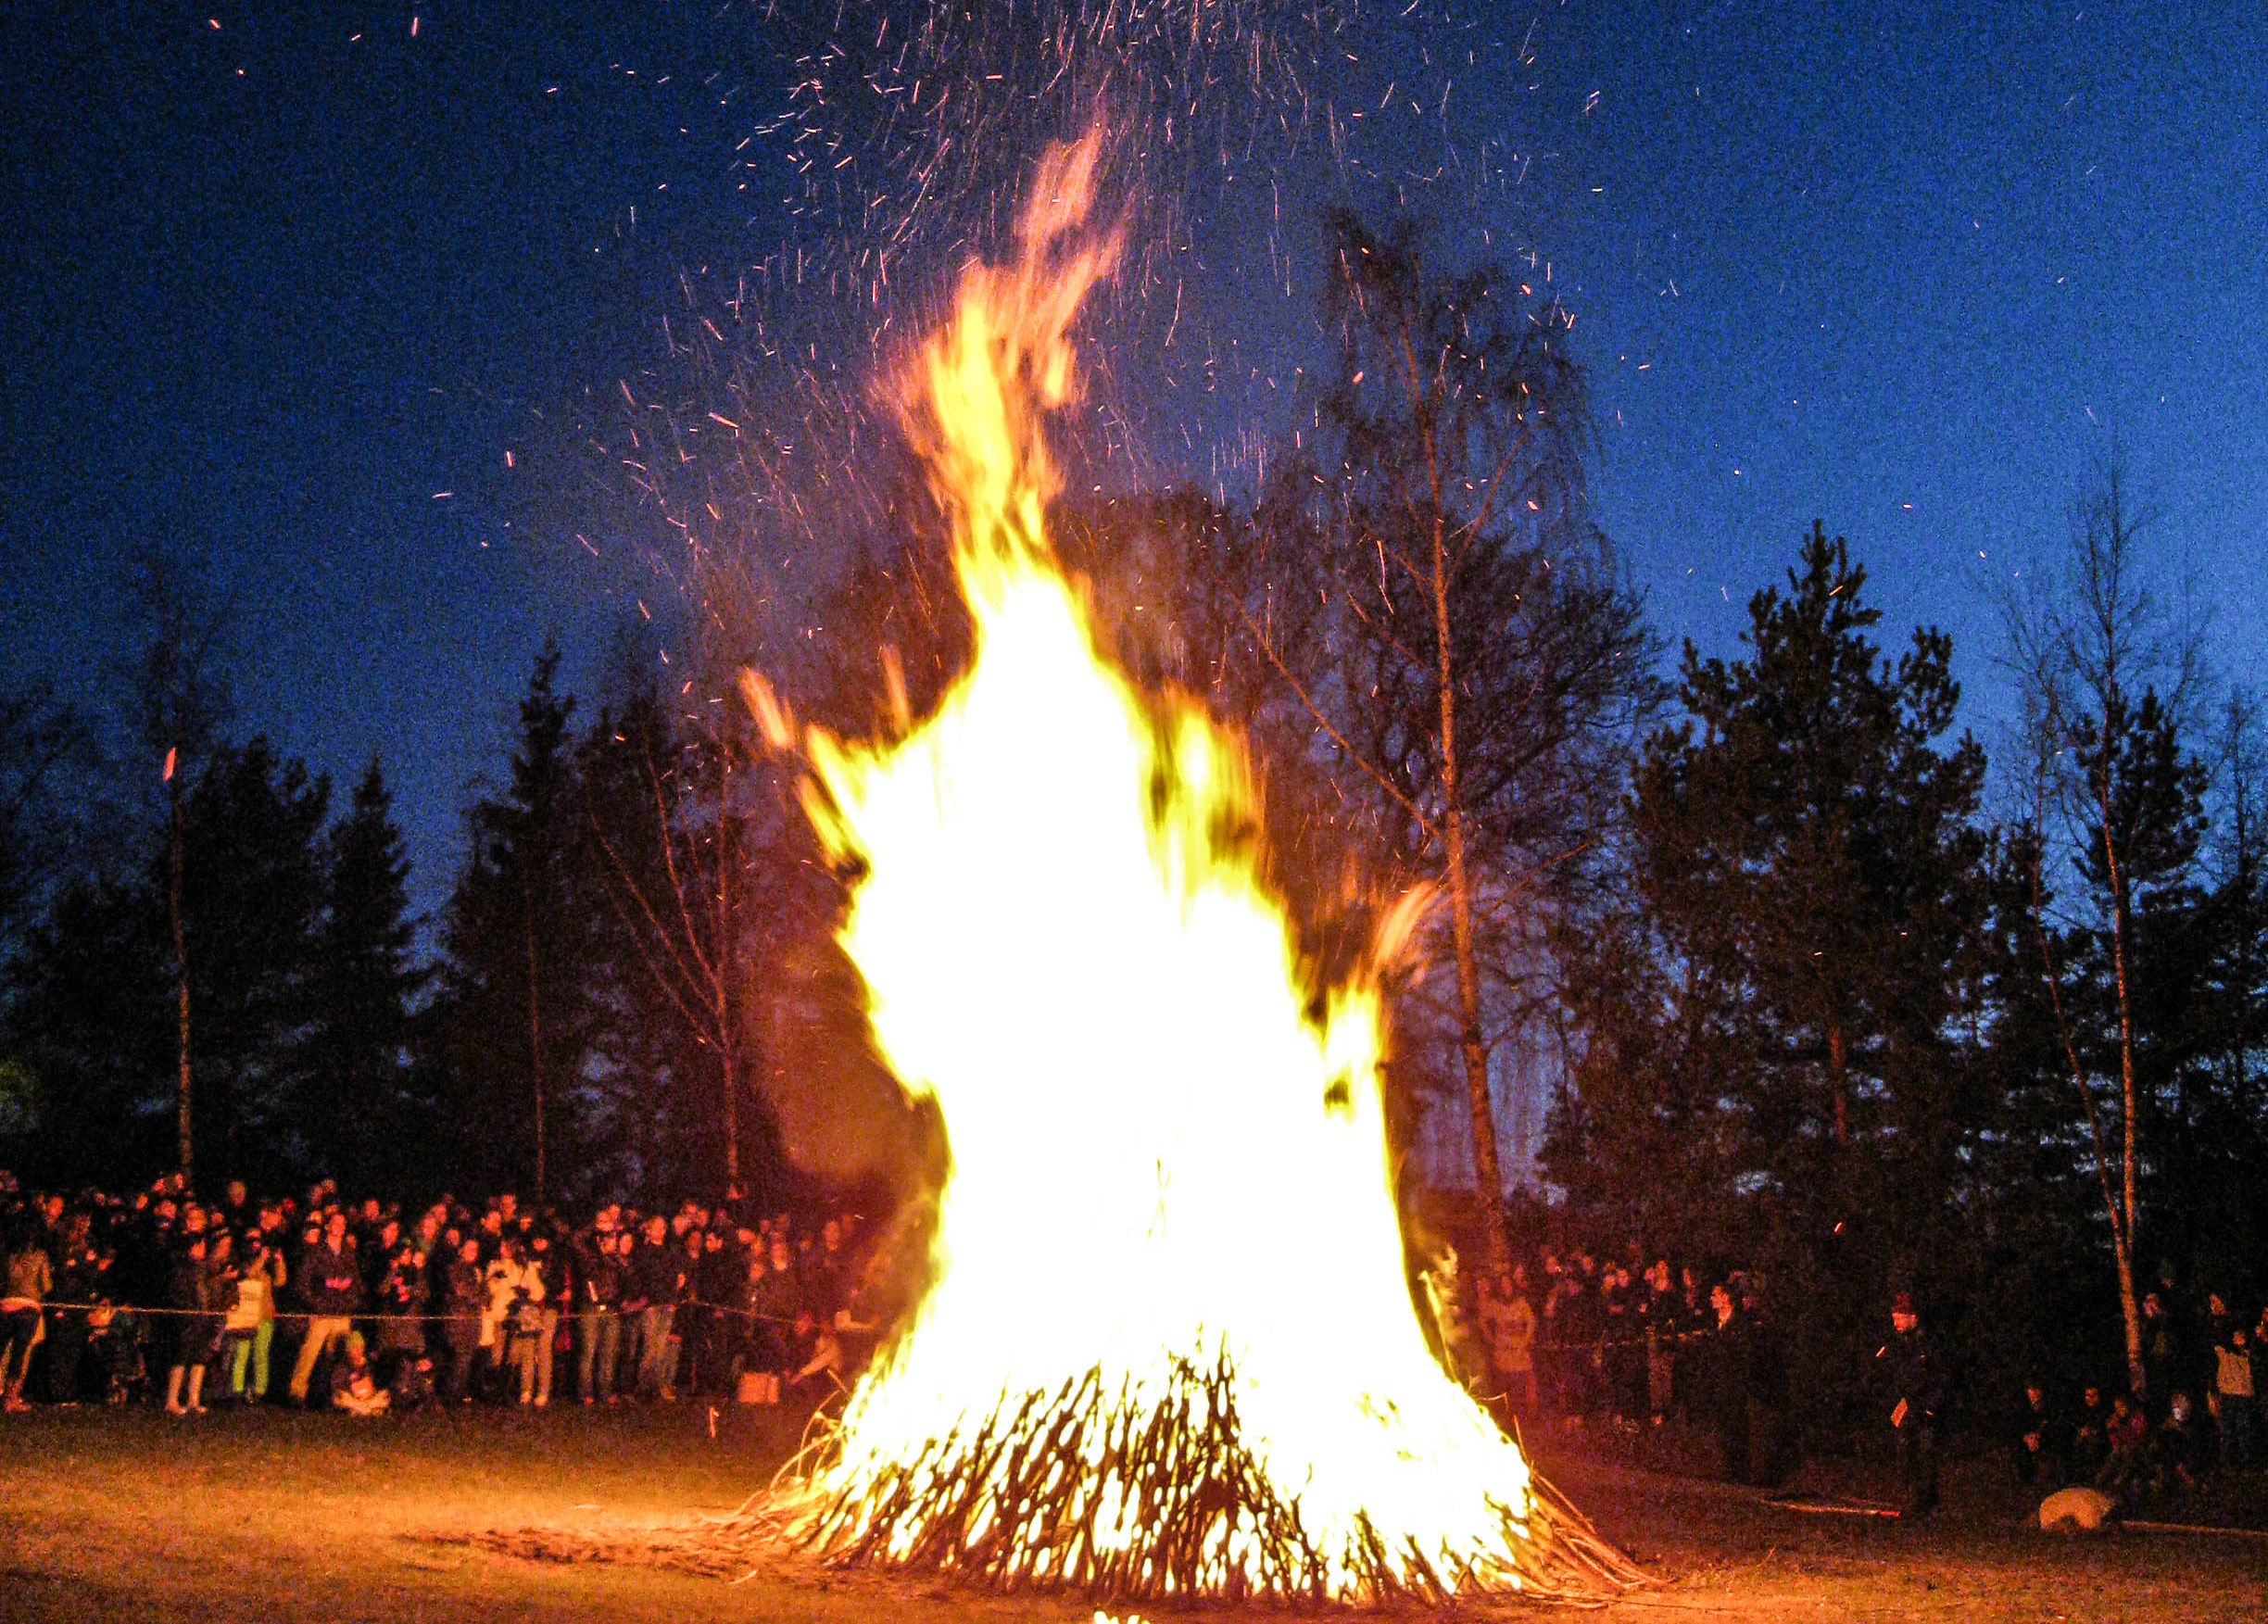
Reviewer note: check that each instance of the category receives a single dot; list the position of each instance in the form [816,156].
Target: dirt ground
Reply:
[505,1515]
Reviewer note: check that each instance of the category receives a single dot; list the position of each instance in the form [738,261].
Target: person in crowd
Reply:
[2125,1460]
[2176,1448]
[599,1292]
[1508,1325]
[1772,1450]
[191,1294]
[695,1317]
[2090,1436]
[1659,1315]
[1446,1284]
[30,1275]
[2235,1403]
[79,1280]
[113,1336]
[1728,1384]
[537,1317]
[1916,1380]
[1621,1350]
[758,1344]
[828,1279]
[2161,1349]
[241,1314]
[2040,1440]
[331,1286]
[722,1274]
[400,1306]
[778,1306]
[499,1301]
[354,1381]
[464,1296]
[658,1282]
[1692,1317]
[252,1317]
[816,1353]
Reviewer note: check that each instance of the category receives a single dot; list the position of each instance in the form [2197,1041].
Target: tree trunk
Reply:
[2121,1227]
[1488,1172]
[2240,1082]
[728,1065]
[184,1137]
[535,1068]
[723,962]
[2128,1092]
[1838,1071]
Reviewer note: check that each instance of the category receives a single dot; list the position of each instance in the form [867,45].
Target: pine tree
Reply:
[517,1015]
[89,1022]
[1782,1002]
[359,1117]
[252,899]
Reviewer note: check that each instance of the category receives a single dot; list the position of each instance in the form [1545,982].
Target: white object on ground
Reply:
[2071,1511]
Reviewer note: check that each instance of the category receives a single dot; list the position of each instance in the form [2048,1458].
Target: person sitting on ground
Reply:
[413,1385]
[354,1385]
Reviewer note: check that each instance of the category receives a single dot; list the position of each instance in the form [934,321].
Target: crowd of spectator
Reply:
[366,1307]
[369,1308]
[1584,1342]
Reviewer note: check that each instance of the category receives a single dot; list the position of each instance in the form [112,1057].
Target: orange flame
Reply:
[1168,1150]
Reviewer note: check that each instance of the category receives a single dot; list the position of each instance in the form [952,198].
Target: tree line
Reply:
[213,960]
[1816,987]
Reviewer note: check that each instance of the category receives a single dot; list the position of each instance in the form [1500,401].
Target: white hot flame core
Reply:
[1159,1152]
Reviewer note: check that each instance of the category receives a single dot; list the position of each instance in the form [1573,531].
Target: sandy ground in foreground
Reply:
[286,1517]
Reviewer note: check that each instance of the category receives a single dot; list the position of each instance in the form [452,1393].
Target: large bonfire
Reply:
[1168,1349]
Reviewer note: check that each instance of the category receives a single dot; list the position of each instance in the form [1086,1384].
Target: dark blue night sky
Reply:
[277,285]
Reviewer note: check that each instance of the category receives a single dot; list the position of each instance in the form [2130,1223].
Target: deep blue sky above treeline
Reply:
[280,276]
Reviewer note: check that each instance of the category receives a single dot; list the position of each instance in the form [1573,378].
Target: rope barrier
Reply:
[359,1316]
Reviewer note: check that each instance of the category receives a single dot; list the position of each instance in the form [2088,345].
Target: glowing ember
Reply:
[1168,1347]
